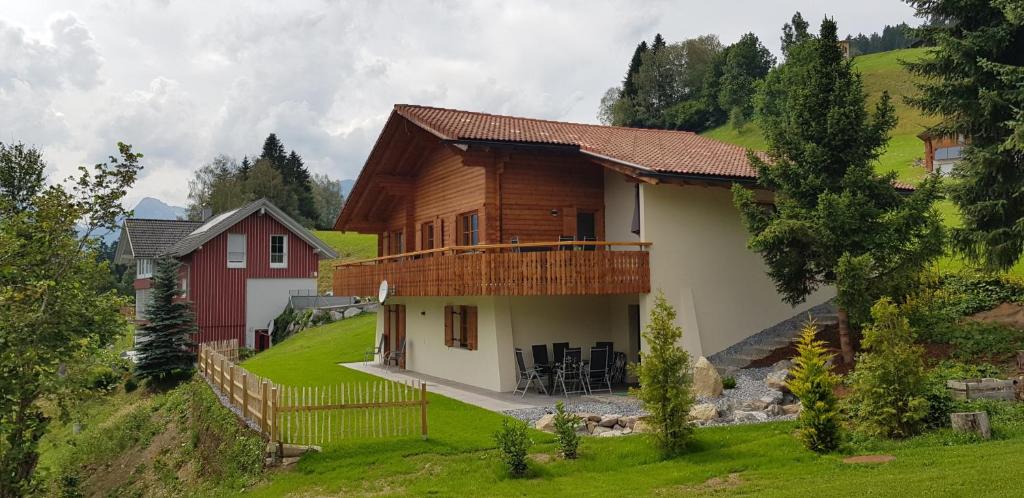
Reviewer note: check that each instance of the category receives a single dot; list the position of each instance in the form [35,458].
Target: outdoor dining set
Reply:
[569,372]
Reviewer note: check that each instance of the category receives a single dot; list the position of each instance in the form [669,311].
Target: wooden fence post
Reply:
[264,403]
[275,431]
[245,395]
[231,385]
[423,410]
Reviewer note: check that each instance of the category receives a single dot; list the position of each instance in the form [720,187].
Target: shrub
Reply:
[889,384]
[665,379]
[565,431]
[990,340]
[102,378]
[813,383]
[513,441]
[729,382]
[940,401]
[131,384]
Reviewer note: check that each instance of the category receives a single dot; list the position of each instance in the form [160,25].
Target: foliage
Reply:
[164,342]
[665,379]
[889,384]
[55,313]
[566,434]
[966,82]
[833,215]
[328,198]
[940,401]
[813,383]
[513,440]
[794,33]
[891,38]
[729,382]
[216,186]
[746,63]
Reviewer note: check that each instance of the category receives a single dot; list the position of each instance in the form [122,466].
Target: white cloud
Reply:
[183,81]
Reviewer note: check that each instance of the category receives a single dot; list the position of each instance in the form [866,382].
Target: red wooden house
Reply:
[238,268]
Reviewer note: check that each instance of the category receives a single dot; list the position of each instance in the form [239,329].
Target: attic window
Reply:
[236,250]
[279,251]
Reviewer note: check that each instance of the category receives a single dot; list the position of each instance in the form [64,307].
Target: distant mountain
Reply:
[155,209]
[150,208]
[346,187]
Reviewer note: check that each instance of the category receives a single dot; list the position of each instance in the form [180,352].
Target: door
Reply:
[586,227]
[394,329]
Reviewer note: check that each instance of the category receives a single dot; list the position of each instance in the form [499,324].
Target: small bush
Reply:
[513,441]
[889,384]
[665,380]
[565,431]
[131,384]
[729,382]
[103,378]
[984,340]
[813,383]
[245,353]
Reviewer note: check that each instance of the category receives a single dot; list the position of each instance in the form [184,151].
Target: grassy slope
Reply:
[350,246]
[459,458]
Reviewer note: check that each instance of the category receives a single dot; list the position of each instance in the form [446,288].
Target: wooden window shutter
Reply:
[449,333]
[387,328]
[471,313]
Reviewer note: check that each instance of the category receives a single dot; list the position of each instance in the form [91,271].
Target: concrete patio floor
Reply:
[486,399]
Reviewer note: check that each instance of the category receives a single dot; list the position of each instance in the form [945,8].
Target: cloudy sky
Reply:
[185,80]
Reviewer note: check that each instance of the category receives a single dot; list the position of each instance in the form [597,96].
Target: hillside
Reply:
[880,72]
[350,246]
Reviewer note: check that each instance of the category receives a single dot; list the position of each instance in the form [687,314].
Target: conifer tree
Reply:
[832,211]
[813,383]
[273,150]
[165,340]
[978,44]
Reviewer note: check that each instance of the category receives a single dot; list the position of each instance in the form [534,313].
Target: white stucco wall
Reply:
[700,260]
[266,298]
[619,196]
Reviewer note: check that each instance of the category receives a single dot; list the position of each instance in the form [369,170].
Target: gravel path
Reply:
[750,386]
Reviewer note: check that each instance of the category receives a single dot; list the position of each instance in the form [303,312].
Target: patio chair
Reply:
[527,376]
[515,243]
[372,353]
[569,373]
[540,359]
[610,346]
[588,238]
[559,348]
[394,355]
[566,238]
[597,371]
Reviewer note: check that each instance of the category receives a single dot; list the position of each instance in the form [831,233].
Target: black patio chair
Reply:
[395,355]
[527,376]
[610,346]
[566,238]
[515,243]
[372,353]
[559,348]
[540,358]
[589,247]
[569,373]
[596,373]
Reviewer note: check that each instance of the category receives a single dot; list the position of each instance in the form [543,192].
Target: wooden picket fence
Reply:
[315,415]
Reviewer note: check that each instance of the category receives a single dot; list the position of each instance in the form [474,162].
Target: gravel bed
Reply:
[750,386]
[784,329]
[234,409]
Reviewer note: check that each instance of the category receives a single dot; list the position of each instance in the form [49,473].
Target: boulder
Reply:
[746,417]
[611,433]
[754,405]
[777,380]
[351,312]
[546,423]
[774,411]
[627,430]
[600,430]
[772,398]
[617,427]
[337,315]
[591,425]
[706,381]
[641,426]
[594,417]
[703,412]
[297,450]
[782,365]
[627,421]
[585,416]
[791,409]
[609,421]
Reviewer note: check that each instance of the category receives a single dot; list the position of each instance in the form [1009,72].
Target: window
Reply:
[236,250]
[399,242]
[948,153]
[184,286]
[142,299]
[460,327]
[279,251]
[143,268]
[469,226]
[427,236]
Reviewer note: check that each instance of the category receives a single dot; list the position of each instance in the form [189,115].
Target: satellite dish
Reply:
[382,293]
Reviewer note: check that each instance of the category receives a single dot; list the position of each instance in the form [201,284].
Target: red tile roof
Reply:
[663,151]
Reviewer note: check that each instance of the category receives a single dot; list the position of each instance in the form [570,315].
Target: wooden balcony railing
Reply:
[527,269]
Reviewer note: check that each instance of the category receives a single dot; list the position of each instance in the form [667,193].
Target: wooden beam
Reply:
[393,184]
[623,169]
[478,157]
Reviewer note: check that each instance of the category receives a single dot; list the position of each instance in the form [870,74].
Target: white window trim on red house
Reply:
[236,248]
[284,251]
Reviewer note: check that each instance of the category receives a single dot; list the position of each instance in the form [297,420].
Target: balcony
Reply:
[527,269]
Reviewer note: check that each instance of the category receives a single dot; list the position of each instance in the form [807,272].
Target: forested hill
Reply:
[881,72]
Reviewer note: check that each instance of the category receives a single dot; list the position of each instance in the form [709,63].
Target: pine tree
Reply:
[964,83]
[665,379]
[831,207]
[658,43]
[273,150]
[813,383]
[245,167]
[300,182]
[164,341]
[629,83]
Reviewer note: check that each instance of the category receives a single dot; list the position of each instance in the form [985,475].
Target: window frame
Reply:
[469,228]
[462,327]
[244,251]
[427,236]
[144,262]
[284,251]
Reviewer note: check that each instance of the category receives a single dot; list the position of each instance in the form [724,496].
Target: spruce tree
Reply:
[165,340]
[273,150]
[833,214]
[297,177]
[965,82]
[629,82]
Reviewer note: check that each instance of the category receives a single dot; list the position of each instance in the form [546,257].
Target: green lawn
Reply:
[459,459]
[350,246]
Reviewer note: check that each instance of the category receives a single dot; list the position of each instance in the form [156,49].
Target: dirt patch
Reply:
[715,485]
[828,333]
[1008,314]
[133,467]
[859,459]
[540,457]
